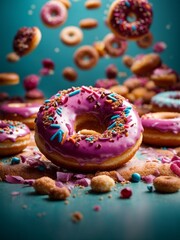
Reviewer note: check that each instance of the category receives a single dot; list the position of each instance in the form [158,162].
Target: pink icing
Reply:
[56,118]
[120,13]
[53,13]
[11,130]
[23,109]
[154,121]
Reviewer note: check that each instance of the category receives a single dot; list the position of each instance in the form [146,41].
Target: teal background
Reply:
[14,15]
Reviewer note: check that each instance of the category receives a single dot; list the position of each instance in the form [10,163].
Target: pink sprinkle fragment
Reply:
[63,176]
[159,47]
[85,182]
[119,177]
[148,179]
[97,208]
[175,167]
[14,179]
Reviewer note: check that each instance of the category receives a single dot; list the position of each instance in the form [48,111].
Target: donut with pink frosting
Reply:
[88,129]
[14,137]
[19,111]
[53,14]
[130,19]
[161,129]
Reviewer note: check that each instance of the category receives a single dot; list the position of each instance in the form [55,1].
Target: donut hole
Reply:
[87,124]
[54,13]
[131,17]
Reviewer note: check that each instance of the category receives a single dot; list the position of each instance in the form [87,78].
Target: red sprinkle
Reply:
[97,208]
[126,192]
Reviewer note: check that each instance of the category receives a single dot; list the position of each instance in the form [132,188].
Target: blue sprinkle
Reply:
[58,94]
[115,116]
[11,126]
[112,125]
[47,101]
[150,188]
[51,118]
[136,177]
[74,92]
[59,111]
[15,160]
[127,4]
[133,27]
[120,125]
[41,168]
[55,125]
[1,131]
[111,96]
[58,134]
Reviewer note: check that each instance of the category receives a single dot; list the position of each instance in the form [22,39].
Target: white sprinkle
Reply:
[56,50]
[30,12]
[33,6]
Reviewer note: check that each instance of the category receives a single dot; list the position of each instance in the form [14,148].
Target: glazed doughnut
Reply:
[114,46]
[14,137]
[88,23]
[86,57]
[71,35]
[167,184]
[88,128]
[135,82]
[70,74]
[145,41]
[143,65]
[9,79]
[161,129]
[92,4]
[26,40]
[140,14]
[23,112]
[164,77]
[127,60]
[166,102]
[12,57]
[53,14]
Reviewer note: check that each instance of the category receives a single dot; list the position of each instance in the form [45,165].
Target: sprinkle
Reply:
[120,125]
[55,125]
[133,27]
[127,4]
[15,160]
[58,134]
[59,111]
[112,125]
[86,89]
[51,118]
[47,101]
[126,192]
[97,208]
[135,177]
[115,116]
[150,188]
[111,96]
[58,94]
[74,92]
[1,130]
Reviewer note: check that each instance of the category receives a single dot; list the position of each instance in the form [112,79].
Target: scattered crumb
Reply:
[57,193]
[43,185]
[109,196]
[15,193]
[66,202]
[77,217]
[101,198]
[102,183]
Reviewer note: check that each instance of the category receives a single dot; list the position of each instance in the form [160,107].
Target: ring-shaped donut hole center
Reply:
[71,34]
[89,124]
[86,57]
[116,44]
[54,12]
[131,17]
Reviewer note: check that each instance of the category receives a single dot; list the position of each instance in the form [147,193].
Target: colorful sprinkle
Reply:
[74,92]
[15,160]
[135,177]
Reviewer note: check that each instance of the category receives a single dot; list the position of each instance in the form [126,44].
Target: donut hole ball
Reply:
[88,124]
[102,184]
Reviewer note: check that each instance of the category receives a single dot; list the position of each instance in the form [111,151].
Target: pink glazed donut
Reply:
[23,112]
[161,129]
[14,137]
[53,14]
[88,129]
[130,19]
